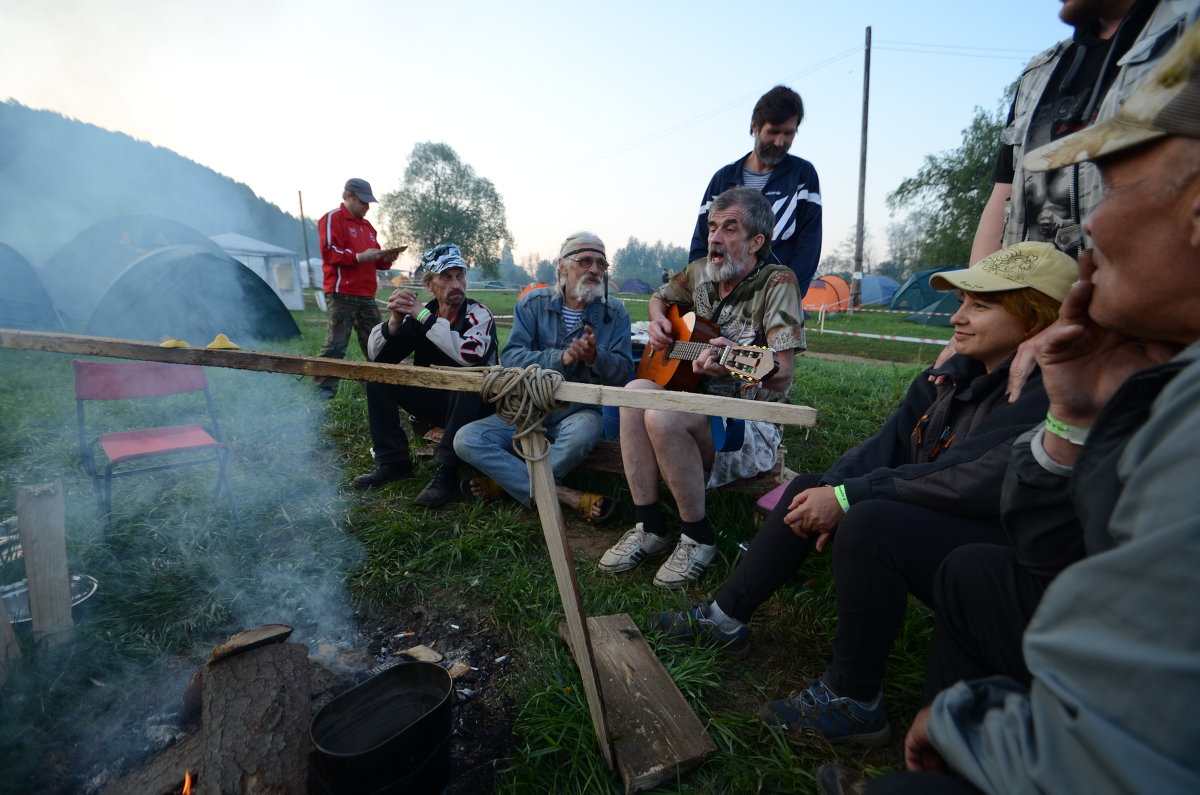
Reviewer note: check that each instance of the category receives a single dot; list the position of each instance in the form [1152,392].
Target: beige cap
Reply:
[1037,265]
[1166,103]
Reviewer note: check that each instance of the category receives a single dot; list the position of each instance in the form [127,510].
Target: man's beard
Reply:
[586,290]
[734,265]
[769,154]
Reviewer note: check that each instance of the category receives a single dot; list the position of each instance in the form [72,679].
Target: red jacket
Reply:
[342,236]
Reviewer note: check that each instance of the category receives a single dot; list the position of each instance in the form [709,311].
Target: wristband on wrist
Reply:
[423,314]
[840,493]
[357,258]
[1072,433]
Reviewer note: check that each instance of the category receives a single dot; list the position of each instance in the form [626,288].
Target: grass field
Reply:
[176,575]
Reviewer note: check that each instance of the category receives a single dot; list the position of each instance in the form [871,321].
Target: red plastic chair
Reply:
[161,448]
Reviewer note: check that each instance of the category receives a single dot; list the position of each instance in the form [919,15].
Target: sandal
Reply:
[488,489]
[588,501]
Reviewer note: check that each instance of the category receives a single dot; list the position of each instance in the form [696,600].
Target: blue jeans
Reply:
[487,444]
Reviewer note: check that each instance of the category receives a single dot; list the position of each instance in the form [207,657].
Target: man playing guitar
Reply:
[751,303]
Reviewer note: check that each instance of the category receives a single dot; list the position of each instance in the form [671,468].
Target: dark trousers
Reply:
[436,407]
[883,550]
[983,599]
[904,783]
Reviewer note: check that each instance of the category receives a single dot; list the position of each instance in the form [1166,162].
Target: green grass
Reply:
[176,575]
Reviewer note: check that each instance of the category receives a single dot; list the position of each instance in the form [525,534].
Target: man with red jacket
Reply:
[350,255]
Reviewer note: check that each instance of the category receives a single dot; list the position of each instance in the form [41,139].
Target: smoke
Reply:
[177,575]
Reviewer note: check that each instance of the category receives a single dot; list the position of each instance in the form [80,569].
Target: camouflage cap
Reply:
[1166,103]
[441,257]
[1038,265]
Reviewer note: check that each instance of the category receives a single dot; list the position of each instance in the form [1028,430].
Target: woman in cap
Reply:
[897,504]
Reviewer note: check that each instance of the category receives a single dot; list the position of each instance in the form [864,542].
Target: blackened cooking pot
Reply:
[389,734]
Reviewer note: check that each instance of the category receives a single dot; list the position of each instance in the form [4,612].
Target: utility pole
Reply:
[304,236]
[856,282]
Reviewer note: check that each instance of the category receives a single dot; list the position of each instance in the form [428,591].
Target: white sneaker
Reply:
[687,563]
[634,547]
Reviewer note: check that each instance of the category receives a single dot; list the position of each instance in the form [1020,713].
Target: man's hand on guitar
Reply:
[582,348]
[705,363]
[661,334]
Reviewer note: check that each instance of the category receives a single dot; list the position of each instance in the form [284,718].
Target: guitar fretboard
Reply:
[688,351]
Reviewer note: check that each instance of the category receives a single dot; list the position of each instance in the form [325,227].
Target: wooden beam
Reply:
[42,519]
[459,379]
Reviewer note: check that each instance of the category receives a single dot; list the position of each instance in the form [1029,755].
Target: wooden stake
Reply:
[42,519]
[10,652]
[541,478]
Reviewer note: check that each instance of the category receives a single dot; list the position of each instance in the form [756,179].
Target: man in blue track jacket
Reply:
[789,183]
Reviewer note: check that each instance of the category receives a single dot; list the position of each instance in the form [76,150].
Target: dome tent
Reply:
[83,269]
[193,294]
[829,293]
[916,294]
[24,302]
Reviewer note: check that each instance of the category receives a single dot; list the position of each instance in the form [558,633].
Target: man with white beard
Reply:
[752,302]
[575,328]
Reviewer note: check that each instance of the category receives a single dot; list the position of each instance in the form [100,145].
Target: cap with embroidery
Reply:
[1037,265]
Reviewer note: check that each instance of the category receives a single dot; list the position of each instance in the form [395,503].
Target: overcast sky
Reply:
[605,116]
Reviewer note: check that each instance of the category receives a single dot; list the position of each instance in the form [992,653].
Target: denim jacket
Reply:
[539,337]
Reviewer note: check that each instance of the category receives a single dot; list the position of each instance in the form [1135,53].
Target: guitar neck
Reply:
[688,351]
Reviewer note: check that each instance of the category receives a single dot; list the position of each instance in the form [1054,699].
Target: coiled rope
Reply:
[523,398]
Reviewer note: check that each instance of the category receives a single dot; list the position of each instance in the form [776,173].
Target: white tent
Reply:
[278,267]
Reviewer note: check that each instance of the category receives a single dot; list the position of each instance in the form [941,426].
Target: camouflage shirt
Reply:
[763,309]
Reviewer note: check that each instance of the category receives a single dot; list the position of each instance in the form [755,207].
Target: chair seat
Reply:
[129,445]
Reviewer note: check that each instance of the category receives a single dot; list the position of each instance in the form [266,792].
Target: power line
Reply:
[683,125]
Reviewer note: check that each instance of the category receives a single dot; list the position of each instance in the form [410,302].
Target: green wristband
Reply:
[1072,433]
[423,315]
[840,493]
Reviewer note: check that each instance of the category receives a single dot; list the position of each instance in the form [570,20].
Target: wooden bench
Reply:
[606,457]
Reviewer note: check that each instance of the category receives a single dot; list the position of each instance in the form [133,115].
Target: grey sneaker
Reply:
[687,563]
[694,623]
[634,547]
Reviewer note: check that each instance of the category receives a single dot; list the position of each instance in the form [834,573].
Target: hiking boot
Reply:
[384,473]
[695,623]
[439,490]
[634,547]
[836,718]
[687,563]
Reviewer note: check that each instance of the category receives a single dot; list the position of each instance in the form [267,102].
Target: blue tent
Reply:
[877,289]
[916,294]
[634,286]
[24,302]
[192,294]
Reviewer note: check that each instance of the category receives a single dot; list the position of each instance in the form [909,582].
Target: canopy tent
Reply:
[634,286]
[80,272]
[24,302]
[191,293]
[916,294]
[276,266]
[829,293]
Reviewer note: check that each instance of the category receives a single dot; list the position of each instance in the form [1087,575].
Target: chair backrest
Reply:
[121,380]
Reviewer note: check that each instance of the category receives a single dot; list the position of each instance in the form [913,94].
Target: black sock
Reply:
[699,531]
[651,517]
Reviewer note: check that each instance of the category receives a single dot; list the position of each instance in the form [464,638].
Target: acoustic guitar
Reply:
[671,367]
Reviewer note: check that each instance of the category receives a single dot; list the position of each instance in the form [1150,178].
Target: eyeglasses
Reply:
[590,262]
